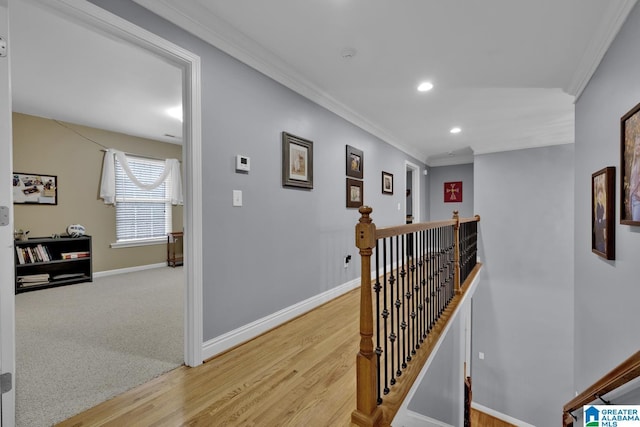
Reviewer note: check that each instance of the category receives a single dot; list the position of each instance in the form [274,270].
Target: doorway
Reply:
[412,192]
[97,19]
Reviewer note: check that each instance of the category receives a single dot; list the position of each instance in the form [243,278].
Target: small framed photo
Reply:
[387,183]
[297,161]
[355,162]
[630,167]
[453,192]
[35,189]
[355,193]
[603,187]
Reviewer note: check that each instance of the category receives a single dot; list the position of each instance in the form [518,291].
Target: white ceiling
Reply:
[63,71]
[505,71]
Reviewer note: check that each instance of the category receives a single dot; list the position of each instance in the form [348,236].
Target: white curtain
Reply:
[108,181]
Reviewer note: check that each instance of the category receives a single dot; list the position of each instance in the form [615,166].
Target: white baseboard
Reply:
[247,332]
[414,419]
[500,416]
[128,270]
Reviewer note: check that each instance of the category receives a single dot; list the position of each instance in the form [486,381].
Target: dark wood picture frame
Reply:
[297,161]
[35,189]
[355,162]
[355,193]
[387,183]
[630,167]
[603,187]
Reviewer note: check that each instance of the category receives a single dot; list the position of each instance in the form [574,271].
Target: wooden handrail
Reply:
[617,377]
[368,410]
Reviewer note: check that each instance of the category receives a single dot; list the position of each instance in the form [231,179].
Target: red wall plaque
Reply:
[453,192]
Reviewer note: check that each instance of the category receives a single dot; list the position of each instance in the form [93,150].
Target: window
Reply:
[142,215]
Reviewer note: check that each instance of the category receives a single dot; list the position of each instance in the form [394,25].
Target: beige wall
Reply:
[42,146]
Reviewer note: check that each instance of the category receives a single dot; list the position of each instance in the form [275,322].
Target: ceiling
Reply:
[505,71]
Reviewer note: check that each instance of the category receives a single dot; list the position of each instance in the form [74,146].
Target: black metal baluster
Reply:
[414,294]
[398,306]
[385,314]
[392,336]
[377,287]
[401,299]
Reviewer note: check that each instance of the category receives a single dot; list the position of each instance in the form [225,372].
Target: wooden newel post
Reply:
[367,412]
[456,253]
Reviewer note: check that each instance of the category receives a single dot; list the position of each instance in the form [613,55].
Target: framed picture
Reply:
[355,193]
[297,161]
[387,183]
[35,189]
[603,187]
[630,167]
[355,162]
[453,192]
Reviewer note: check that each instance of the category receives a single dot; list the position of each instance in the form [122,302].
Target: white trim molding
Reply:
[500,416]
[231,41]
[615,16]
[117,27]
[247,332]
[414,419]
[117,271]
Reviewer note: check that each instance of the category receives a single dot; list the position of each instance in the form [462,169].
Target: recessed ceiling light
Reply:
[455,130]
[425,86]
[175,112]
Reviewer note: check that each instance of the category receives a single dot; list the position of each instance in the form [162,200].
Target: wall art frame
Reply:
[35,189]
[297,161]
[453,192]
[387,183]
[355,162]
[630,167]
[603,187]
[355,193]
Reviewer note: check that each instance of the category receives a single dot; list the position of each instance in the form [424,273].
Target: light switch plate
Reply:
[237,197]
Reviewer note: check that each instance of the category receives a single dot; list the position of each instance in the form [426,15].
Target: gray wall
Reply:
[441,174]
[284,245]
[440,394]
[523,309]
[607,292]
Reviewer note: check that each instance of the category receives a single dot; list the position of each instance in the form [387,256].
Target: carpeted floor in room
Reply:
[79,345]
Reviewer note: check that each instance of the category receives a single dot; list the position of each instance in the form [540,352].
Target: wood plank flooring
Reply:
[480,419]
[300,374]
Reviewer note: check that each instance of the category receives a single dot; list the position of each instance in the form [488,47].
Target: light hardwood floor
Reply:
[300,374]
[303,375]
[480,419]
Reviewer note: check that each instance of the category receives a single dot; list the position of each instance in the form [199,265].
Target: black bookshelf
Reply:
[49,262]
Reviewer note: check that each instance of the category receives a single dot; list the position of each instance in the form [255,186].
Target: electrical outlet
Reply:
[347,259]
[481,356]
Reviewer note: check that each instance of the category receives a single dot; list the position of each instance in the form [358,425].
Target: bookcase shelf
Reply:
[39,262]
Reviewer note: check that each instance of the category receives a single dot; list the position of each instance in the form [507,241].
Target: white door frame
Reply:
[415,190]
[117,27]
[7,287]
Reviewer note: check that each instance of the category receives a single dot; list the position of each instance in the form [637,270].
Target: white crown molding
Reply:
[615,16]
[229,40]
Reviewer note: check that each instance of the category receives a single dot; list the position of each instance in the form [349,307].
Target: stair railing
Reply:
[614,379]
[420,272]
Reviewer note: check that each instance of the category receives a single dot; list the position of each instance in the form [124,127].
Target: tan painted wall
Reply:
[42,146]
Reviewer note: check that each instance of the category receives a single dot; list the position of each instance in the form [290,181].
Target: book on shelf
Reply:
[75,255]
[33,279]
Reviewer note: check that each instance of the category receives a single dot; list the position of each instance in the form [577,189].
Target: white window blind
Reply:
[142,214]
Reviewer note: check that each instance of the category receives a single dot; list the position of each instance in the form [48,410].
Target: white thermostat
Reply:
[243,163]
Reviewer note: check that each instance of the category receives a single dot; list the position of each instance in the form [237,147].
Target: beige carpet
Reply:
[80,345]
